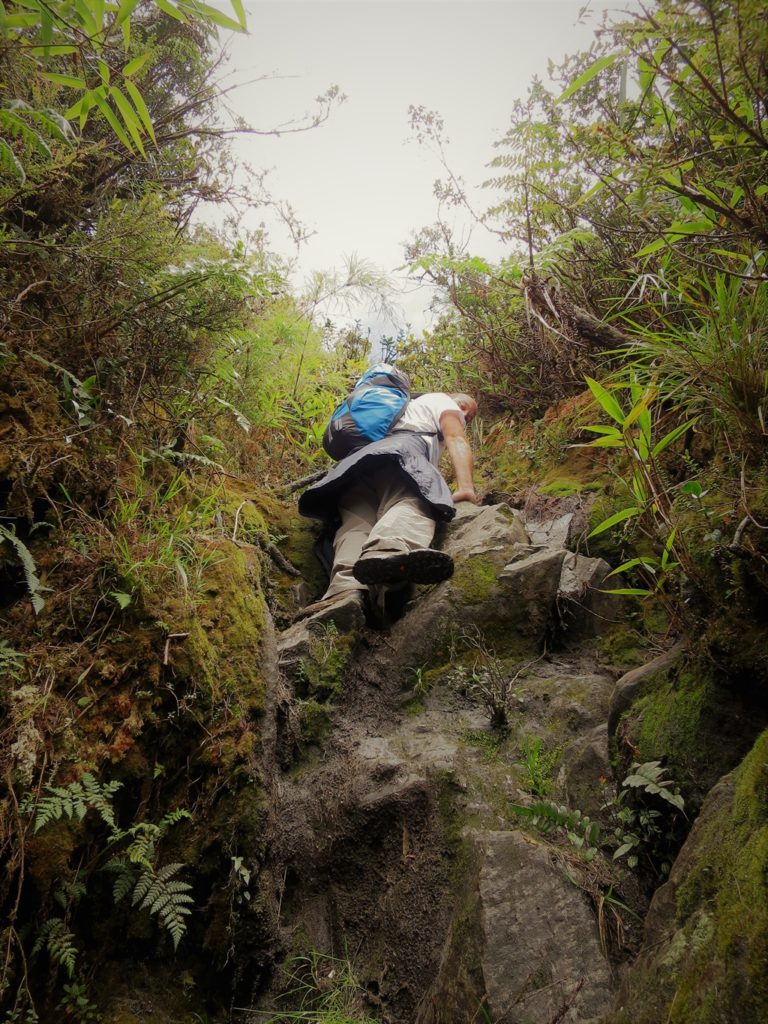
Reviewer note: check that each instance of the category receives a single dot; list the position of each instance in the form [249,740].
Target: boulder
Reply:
[585,609]
[705,951]
[524,945]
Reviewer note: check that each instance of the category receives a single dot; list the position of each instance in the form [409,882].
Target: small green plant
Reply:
[420,682]
[157,536]
[320,672]
[153,888]
[641,831]
[34,586]
[582,833]
[11,661]
[490,680]
[652,496]
[539,764]
[323,990]
[76,1005]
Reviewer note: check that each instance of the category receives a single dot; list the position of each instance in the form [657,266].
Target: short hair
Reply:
[462,396]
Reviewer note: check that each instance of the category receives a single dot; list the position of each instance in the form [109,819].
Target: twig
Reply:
[280,560]
[237,518]
[290,488]
[171,636]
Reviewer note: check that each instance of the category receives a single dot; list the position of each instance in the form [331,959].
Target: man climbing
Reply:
[386,499]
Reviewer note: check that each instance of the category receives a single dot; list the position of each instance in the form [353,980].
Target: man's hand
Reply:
[466,494]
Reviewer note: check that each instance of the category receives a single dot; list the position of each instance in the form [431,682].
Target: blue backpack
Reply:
[369,411]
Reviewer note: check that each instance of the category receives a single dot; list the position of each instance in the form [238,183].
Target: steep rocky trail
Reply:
[395,836]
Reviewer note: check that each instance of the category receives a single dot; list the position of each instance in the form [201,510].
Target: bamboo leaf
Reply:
[141,109]
[132,122]
[672,436]
[628,592]
[136,64]
[586,76]
[109,115]
[70,81]
[87,17]
[676,233]
[125,10]
[52,50]
[211,14]
[631,564]
[640,407]
[617,517]
[606,400]
[20,21]
[237,7]
[606,442]
[608,431]
[170,10]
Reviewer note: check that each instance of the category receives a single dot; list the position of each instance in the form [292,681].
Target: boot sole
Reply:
[423,566]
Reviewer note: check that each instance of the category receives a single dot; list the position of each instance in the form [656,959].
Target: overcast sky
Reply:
[360,181]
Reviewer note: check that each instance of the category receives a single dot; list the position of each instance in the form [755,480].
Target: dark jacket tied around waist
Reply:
[406,453]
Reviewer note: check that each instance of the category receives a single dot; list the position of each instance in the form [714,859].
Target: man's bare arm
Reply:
[460,453]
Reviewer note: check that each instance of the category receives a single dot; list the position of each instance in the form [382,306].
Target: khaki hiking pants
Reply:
[381,516]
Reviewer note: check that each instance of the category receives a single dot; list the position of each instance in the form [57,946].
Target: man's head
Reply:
[467,404]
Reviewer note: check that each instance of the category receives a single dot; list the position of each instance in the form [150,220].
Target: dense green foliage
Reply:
[160,384]
[149,372]
[634,198]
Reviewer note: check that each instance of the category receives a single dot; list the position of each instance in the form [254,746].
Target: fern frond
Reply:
[547,817]
[34,586]
[165,898]
[173,818]
[74,801]
[142,887]
[14,125]
[125,877]
[10,162]
[142,847]
[58,942]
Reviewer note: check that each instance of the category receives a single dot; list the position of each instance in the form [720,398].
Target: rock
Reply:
[585,610]
[483,530]
[524,945]
[551,533]
[585,764]
[705,950]
[482,541]
[530,584]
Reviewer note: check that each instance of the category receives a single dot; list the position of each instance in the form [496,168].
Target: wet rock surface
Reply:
[393,831]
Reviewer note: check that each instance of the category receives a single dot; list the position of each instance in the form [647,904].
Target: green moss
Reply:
[563,486]
[488,743]
[296,537]
[622,647]
[414,708]
[475,579]
[219,657]
[715,968]
[679,720]
[314,720]
[731,874]
[320,674]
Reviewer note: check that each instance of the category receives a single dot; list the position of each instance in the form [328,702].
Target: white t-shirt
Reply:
[423,415]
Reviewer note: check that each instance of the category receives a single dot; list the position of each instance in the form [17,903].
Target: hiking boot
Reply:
[344,610]
[424,565]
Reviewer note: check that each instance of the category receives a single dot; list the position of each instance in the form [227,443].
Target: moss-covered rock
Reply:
[693,720]
[705,959]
